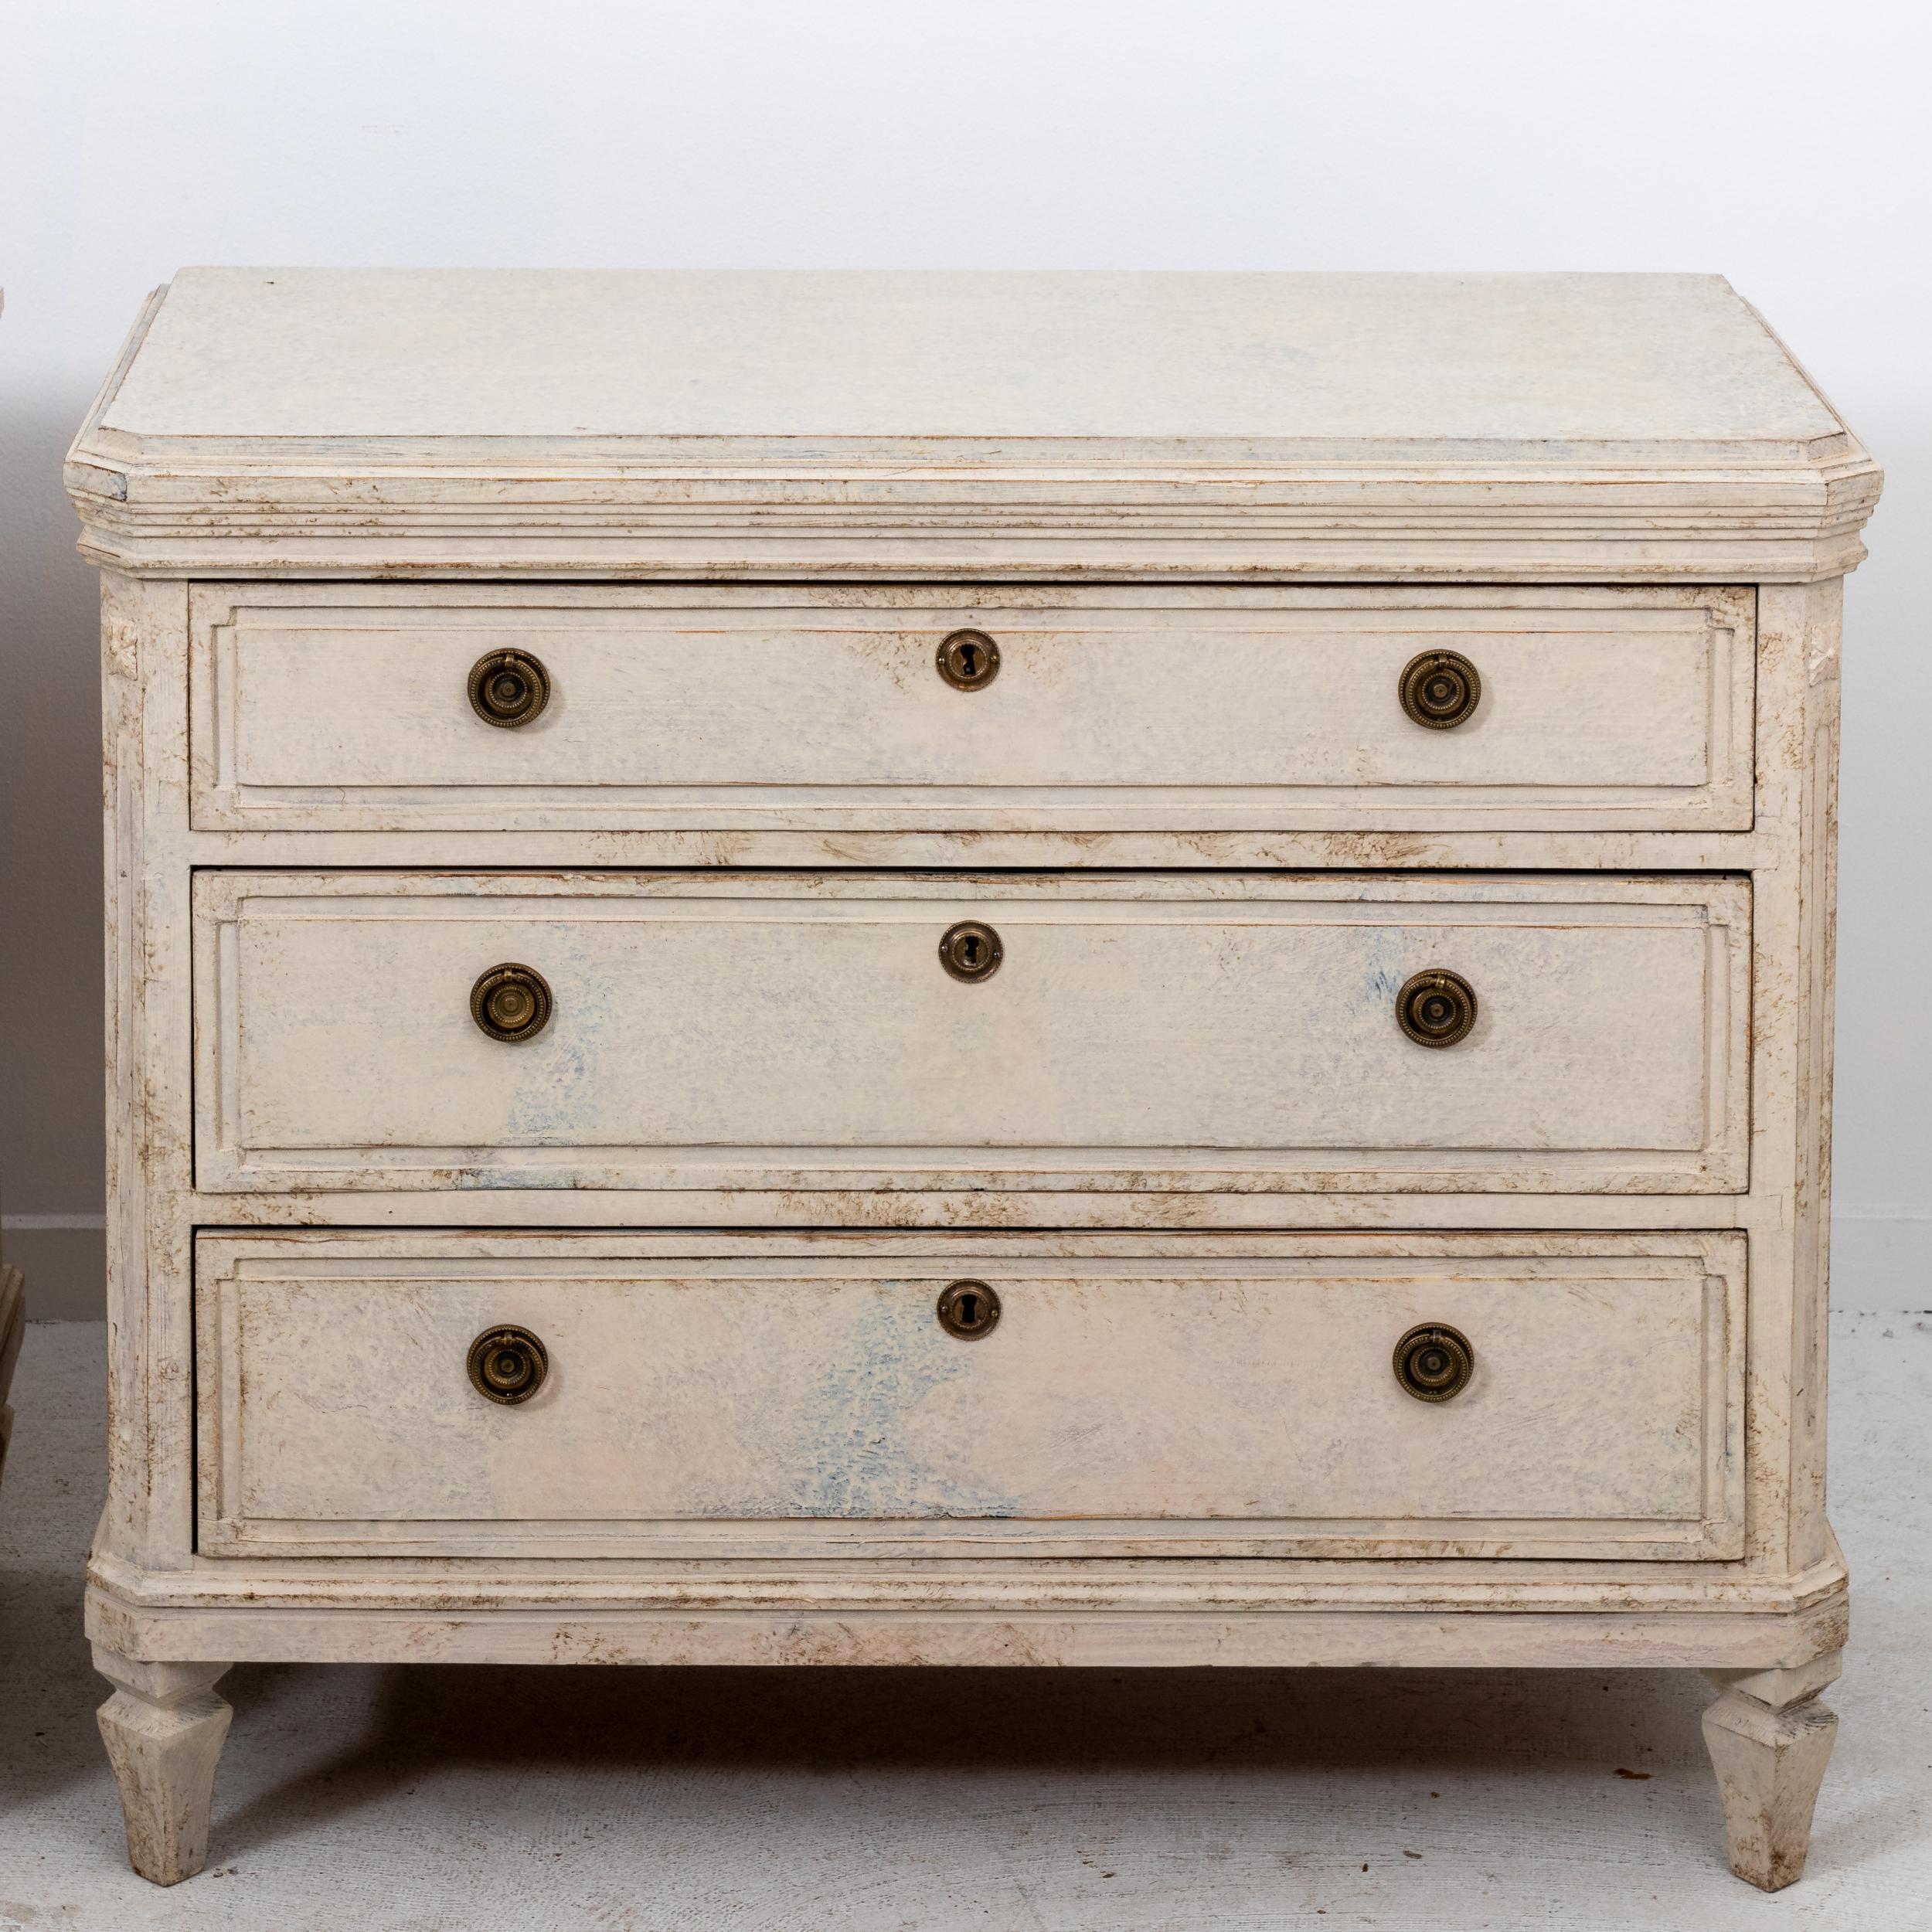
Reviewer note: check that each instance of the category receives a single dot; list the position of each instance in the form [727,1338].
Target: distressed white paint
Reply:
[1769,1760]
[1146,710]
[799,1399]
[1529,1761]
[1673,948]
[1519,361]
[1564,428]
[745,1029]
[163,1728]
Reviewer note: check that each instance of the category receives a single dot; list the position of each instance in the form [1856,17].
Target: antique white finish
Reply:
[795,1396]
[1552,428]
[739,1030]
[1771,1739]
[1208,519]
[163,1728]
[1149,709]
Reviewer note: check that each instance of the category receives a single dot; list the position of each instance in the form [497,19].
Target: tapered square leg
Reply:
[163,1728]
[1769,1740]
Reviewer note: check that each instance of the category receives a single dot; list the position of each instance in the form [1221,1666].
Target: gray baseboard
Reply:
[66,1271]
[1882,1264]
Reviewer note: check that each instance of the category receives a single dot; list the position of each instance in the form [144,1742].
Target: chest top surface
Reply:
[1511,361]
[859,423]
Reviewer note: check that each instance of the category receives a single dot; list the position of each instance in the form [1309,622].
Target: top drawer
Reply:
[341,707]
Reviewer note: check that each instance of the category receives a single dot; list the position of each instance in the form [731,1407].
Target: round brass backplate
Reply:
[511,1002]
[508,1365]
[1433,1363]
[968,1309]
[968,660]
[971,951]
[508,688]
[1436,1008]
[1440,688]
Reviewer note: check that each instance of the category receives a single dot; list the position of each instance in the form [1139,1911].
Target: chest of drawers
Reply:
[1084,969]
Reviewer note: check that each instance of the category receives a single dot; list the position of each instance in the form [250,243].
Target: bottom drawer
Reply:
[785,1395]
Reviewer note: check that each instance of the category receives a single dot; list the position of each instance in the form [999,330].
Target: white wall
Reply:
[1785,145]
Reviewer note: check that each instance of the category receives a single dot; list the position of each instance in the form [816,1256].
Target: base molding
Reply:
[1715,1639]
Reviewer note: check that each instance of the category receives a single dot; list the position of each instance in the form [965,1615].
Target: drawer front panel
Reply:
[1140,710]
[783,1395]
[720,1030]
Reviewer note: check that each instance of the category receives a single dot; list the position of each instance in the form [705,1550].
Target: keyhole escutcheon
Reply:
[968,1310]
[971,951]
[968,660]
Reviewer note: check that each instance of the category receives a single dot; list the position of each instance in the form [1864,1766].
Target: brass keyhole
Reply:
[508,688]
[508,1365]
[511,1002]
[1433,1362]
[1440,689]
[1436,1008]
[971,951]
[968,1310]
[968,660]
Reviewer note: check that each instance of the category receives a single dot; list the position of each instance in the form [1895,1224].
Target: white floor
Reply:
[441,1799]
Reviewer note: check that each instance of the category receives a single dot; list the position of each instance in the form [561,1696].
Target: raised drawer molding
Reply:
[790,1396]
[1149,710]
[736,1030]
[1103,970]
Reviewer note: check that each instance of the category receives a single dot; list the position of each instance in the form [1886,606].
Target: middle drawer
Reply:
[1143,1031]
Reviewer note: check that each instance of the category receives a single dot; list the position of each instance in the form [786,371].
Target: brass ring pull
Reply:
[968,660]
[508,1365]
[971,951]
[1436,1008]
[1433,1363]
[1440,689]
[511,1002]
[508,688]
[968,1310]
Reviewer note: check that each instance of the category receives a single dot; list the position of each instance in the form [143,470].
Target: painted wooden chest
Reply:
[1121,969]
